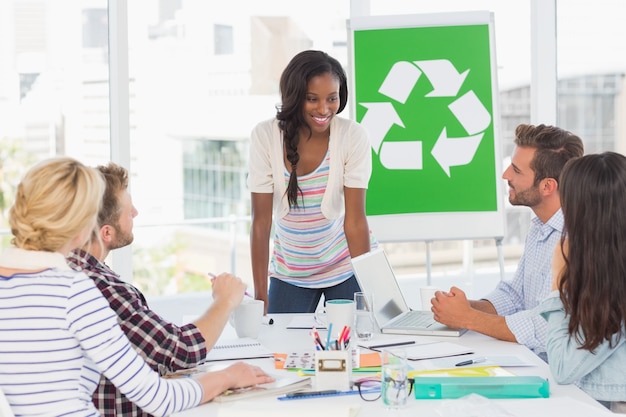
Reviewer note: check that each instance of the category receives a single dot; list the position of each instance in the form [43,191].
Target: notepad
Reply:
[387,342]
[435,350]
[427,350]
[491,360]
[234,349]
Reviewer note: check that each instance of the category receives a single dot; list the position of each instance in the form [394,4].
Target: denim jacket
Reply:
[600,374]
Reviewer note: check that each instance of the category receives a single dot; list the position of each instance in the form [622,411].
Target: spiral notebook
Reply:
[235,349]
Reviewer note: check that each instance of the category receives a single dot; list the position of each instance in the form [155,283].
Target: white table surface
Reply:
[565,400]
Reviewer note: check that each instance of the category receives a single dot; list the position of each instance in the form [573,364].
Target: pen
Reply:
[318,338]
[344,337]
[471,361]
[247,294]
[374,347]
[316,343]
[330,329]
[308,393]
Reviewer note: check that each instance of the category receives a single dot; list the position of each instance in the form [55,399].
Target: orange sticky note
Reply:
[279,360]
[369,360]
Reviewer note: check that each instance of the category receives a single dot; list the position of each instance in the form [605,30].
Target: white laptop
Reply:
[375,276]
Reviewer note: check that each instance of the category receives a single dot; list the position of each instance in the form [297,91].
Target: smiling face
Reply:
[321,103]
[521,178]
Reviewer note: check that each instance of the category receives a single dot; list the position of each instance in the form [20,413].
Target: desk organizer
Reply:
[487,386]
[333,369]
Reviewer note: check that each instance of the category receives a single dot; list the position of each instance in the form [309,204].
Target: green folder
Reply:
[487,386]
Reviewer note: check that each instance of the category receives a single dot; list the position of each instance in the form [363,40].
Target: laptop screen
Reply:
[375,276]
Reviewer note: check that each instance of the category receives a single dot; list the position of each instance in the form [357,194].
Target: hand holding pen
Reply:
[233,281]
[227,287]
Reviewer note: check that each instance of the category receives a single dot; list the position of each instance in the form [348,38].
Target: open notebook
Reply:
[235,349]
[391,312]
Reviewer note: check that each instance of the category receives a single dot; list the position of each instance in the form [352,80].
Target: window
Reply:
[202,74]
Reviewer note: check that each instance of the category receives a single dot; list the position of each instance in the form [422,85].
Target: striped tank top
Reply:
[309,249]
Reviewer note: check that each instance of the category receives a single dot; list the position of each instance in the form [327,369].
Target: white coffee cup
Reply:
[427,293]
[247,318]
[339,313]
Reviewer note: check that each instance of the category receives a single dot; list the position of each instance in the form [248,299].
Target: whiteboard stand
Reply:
[396,37]
[429,266]
[500,249]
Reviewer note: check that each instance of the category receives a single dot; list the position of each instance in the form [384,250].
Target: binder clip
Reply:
[333,369]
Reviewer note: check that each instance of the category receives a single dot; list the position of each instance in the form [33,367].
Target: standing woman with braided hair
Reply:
[310,169]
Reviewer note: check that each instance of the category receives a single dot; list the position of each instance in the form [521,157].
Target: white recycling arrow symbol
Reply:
[447,82]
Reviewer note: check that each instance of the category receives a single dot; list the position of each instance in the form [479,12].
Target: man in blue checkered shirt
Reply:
[165,346]
[539,156]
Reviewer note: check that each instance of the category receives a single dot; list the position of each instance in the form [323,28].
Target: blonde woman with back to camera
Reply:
[57,332]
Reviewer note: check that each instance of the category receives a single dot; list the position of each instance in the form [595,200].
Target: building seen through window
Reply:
[203,74]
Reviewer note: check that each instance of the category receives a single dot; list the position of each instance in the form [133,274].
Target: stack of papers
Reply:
[418,350]
[436,350]
[282,385]
[490,360]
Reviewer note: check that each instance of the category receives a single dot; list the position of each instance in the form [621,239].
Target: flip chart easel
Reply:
[425,88]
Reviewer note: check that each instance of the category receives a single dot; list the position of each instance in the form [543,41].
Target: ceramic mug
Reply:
[247,318]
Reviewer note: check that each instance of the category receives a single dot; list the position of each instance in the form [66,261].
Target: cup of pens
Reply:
[333,359]
[333,369]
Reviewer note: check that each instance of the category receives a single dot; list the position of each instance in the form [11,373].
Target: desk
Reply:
[566,400]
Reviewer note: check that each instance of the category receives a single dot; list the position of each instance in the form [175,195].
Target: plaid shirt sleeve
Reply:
[163,345]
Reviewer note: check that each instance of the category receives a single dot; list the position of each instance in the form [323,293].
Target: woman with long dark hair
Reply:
[310,170]
[586,313]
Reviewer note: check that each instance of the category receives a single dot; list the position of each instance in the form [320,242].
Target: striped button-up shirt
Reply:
[530,285]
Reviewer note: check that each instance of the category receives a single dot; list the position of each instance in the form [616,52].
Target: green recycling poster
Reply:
[425,93]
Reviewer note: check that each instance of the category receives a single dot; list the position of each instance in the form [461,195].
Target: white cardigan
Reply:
[350,164]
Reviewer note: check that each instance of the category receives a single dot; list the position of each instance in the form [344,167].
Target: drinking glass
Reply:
[394,378]
[363,317]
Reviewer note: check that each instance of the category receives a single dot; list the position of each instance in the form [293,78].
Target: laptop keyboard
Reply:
[415,319]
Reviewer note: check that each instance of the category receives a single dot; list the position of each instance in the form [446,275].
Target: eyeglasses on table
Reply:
[370,387]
